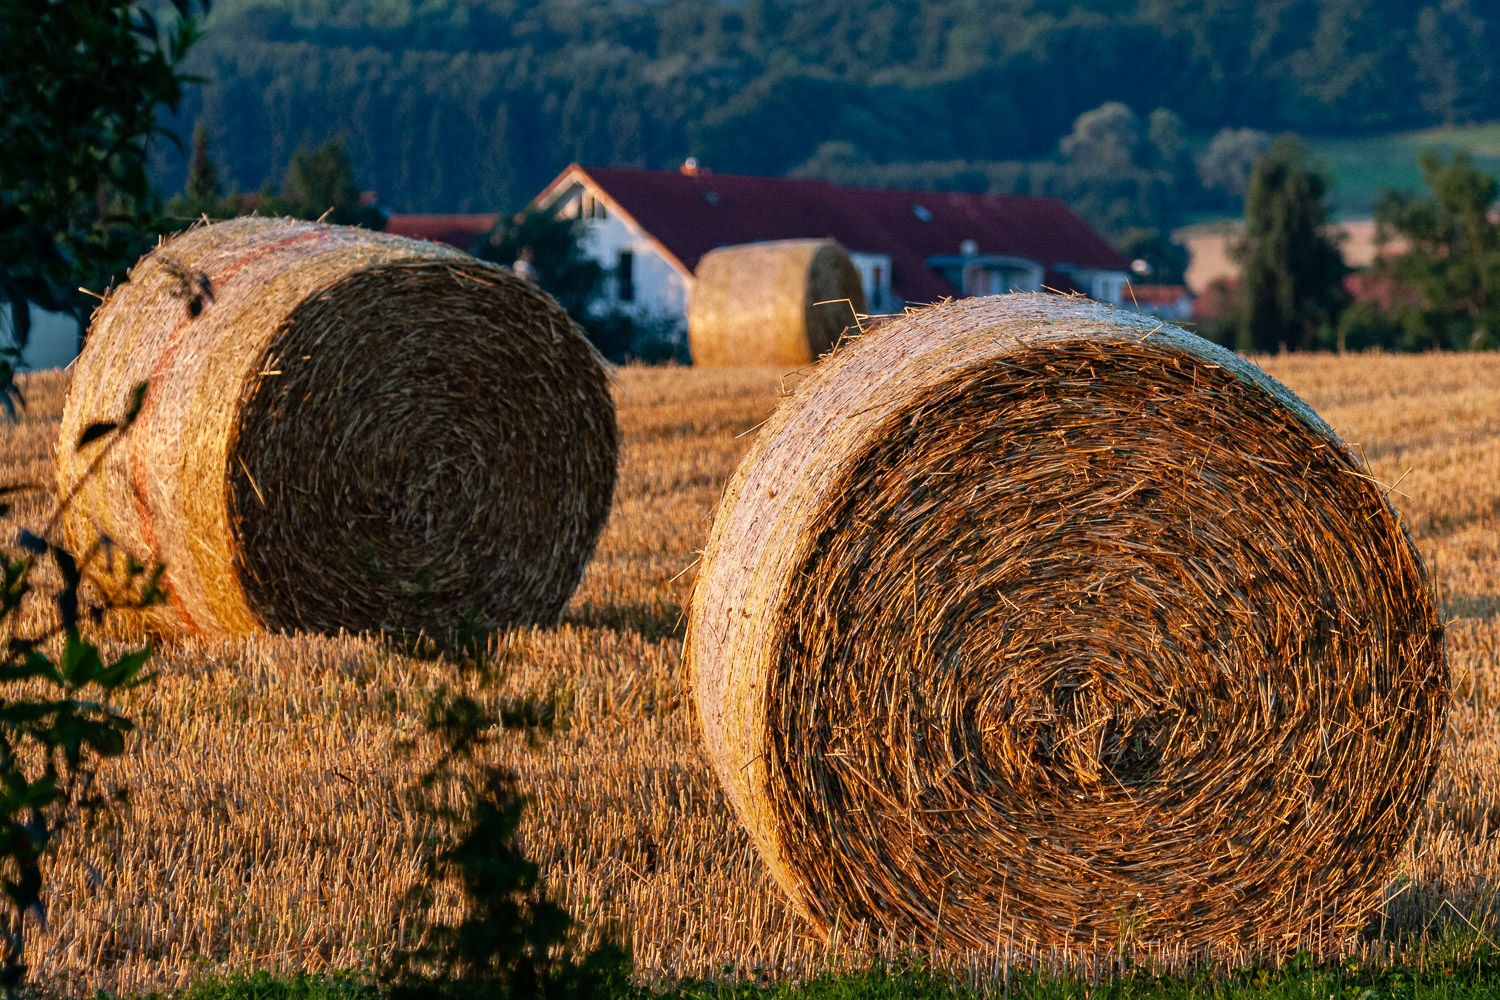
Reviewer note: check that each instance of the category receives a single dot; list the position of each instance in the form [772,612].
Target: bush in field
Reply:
[58,723]
[511,941]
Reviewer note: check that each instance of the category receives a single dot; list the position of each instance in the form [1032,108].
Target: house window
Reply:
[877,290]
[598,212]
[625,275]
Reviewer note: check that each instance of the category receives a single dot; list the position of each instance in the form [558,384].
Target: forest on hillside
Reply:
[473,105]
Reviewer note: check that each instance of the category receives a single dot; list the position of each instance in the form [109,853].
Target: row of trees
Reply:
[461,106]
[1442,290]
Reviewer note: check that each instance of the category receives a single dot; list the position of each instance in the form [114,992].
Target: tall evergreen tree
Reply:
[1294,274]
[203,176]
[204,195]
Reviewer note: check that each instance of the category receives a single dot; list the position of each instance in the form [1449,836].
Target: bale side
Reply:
[984,577]
[781,303]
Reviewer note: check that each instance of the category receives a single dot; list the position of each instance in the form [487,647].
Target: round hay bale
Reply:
[784,303]
[342,430]
[1030,621]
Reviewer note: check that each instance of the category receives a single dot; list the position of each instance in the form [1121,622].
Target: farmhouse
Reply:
[649,228]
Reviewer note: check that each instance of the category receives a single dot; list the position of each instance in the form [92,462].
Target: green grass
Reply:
[1363,165]
[1462,969]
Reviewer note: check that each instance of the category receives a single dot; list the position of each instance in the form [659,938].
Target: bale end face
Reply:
[1025,620]
[783,303]
[342,430]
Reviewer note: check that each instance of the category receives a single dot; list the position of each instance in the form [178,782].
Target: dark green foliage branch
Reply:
[511,942]
[58,720]
[1453,267]
[1294,274]
[82,85]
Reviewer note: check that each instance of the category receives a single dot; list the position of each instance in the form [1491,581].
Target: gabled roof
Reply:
[461,231]
[691,214]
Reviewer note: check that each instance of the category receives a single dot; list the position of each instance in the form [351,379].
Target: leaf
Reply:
[95,431]
[80,662]
[137,400]
[125,668]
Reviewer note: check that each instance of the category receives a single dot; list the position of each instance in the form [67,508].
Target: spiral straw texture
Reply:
[782,303]
[343,430]
[1027,621]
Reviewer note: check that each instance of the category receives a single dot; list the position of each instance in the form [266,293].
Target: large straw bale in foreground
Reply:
[342,430]
[784,303]
[1030,621]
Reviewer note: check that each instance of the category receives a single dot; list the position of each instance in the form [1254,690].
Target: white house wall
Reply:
[52,341]
[878,299]
[660,289]
[1103,286]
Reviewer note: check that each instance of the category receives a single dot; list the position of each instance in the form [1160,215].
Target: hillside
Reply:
[1361,166]
[454,105]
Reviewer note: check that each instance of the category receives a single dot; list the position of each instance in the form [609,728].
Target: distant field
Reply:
[268,827]
[1361,167]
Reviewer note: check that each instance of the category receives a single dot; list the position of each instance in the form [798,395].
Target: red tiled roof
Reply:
[1158,295]
[1218,301]
[690,215]
[461,231]
[1383,291]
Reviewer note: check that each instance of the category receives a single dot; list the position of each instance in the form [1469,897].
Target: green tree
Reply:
[1126,184]
[551,246]
[319,184]
[1454,261]
[1226,165]
[204,195]
[1294,274]
[82,86]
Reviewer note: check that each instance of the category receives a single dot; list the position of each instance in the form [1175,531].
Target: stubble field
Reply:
[269,826]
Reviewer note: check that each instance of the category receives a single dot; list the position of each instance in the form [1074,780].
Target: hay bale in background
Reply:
[784,303]
[1027,620]
[343,430]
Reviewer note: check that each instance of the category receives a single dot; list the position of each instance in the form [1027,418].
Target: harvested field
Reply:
[268,827]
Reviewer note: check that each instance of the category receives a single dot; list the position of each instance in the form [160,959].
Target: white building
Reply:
[649,228]
[53,341]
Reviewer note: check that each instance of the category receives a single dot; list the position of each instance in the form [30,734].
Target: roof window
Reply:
[920,211]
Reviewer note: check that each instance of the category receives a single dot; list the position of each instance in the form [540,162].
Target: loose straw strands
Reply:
[343,430]
[782,303]
[1020,624]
